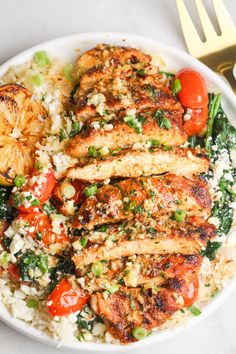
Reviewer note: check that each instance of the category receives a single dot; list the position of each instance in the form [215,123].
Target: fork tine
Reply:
[223,17]
[191,36]
[207,27]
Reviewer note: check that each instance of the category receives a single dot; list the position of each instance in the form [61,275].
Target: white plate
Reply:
[174,60]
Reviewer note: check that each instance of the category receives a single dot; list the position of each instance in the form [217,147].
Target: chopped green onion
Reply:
[68,69]
[92,151]
[176,87]
[90,190]
[76,128]
[67,190]
[19,180]
[97,269]
[62,135]
[103,151]
[167,73]
[164,123]
[133,123]
[194,310]
[139,333]
[37,80]
[32,303]
[154,143]
[35,202]
[83,241]
[41,58]
[113,289]
[180,215]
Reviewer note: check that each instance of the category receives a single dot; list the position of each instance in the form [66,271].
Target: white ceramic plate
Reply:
[174,60]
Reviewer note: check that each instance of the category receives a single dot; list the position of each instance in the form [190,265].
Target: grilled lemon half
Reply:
[22,123]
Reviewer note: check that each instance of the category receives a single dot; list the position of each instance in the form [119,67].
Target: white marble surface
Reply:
[26,23]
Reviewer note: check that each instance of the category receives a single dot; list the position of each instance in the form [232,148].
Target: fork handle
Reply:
[227,71]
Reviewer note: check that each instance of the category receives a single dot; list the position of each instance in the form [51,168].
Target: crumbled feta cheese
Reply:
[58,223]
[16,244]
[108,127]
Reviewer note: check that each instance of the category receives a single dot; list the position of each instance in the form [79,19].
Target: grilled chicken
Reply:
[120,84]
[122,135]
[130,308]
[148,238]
[134,271]
[142,197]
[103,53]
[133,163]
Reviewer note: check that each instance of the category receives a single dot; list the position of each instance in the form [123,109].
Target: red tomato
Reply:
[40,185]
[65,300]
[59,200]
[192,291]
[193,93]
[14,272]
[42,228]
[197,122]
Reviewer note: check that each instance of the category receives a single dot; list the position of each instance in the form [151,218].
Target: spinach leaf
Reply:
[210,250]
[64,266]
[30,261]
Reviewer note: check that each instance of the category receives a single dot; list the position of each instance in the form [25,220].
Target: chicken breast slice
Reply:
[184,238]
[122,135]
[135,163]
[130,308]
[142,197]
[148,270]
[104,53]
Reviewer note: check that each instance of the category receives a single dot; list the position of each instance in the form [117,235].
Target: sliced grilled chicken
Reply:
[130,308]
[110,55]
[112,94]
[142,197]
[134,163]
[147,270]
[148,238]
[122,135]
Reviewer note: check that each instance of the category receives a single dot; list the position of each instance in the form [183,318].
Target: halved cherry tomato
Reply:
[192,291]
[59,200]
[14,271]
[65,300]
[42,228]
[193,93]
[40,185]
[197,122]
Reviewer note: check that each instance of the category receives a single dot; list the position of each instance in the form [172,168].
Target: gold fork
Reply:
[218,51]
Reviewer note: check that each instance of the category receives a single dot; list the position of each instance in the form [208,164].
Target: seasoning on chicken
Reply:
[136,163]
[143,197]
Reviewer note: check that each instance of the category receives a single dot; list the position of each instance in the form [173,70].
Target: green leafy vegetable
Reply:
[210,250]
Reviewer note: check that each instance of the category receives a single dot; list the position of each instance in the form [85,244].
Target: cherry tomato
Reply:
[59,200]
[65,300]
[197,121]
[192,291]
[193,93]
[14,271]
[40,185]
[42,228]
